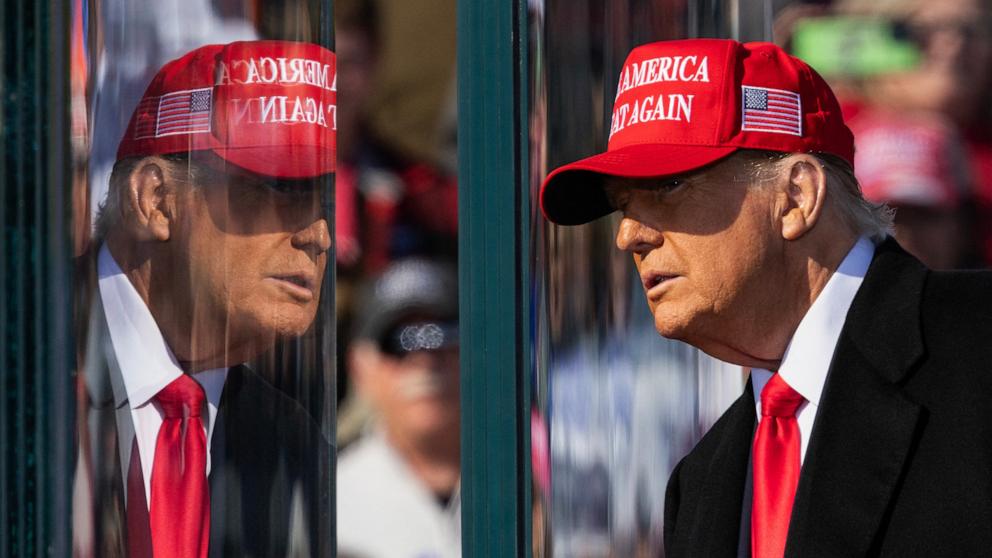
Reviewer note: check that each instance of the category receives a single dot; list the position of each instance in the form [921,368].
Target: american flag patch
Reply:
[771,110]
[182,112]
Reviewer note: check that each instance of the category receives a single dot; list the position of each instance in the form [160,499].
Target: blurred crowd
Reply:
[915,79]
[397,298]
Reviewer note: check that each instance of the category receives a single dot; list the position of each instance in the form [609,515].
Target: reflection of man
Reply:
[731,166]
[213,246]
[398,485]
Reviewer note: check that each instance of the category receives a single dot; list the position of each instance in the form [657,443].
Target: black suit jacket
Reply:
[900,458]
[270,466]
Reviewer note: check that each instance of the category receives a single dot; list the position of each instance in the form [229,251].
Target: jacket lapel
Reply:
[865,428]
[716,518]
[223,511]
[100,436]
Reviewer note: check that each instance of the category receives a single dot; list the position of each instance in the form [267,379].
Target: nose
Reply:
[637,237]
[315,237]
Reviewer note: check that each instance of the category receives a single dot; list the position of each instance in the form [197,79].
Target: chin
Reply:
[671,323]
[294,326]
[706,338]
[282,320]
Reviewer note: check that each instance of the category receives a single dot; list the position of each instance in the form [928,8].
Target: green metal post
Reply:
[36,401]
[494,212]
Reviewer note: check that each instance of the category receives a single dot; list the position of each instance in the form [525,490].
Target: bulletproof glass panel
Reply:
[204,138]
[615,406]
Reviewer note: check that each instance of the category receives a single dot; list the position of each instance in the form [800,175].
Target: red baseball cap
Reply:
[681,105]
[266,106]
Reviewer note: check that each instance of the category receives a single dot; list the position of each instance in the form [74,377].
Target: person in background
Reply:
[916,165]
[398,483]
[392,202]
[357,48]
[400,202]
[910,57]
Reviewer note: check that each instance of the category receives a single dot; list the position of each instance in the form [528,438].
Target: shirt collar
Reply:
[146,362]
[807,358]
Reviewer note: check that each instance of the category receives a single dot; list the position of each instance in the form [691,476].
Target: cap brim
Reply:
[295,161]
[573,194]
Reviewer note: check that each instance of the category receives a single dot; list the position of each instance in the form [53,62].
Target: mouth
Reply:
[653,281]
[299,285]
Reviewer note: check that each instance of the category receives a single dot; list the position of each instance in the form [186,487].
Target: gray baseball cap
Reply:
[412,288]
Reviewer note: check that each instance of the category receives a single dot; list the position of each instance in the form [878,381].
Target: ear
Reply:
[149,206]
[805,194]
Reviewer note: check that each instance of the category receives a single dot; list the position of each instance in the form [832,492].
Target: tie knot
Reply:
[778,399]
[183,393]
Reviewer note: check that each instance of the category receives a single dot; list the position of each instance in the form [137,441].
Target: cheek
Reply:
[723,267]
[380,390]
[207,258]
[243,266]
[226,273]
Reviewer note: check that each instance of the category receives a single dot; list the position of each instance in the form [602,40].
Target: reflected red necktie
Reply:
[180,507]
[776,468]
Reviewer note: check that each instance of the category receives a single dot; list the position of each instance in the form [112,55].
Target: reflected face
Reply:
[416,393]
[254,251]
[703,246]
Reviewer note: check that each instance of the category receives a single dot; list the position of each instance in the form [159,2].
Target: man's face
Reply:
[254,251]
[416,393]
[704,248]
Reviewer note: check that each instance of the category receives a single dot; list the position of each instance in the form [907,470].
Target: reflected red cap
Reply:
[681,105]
[266,106]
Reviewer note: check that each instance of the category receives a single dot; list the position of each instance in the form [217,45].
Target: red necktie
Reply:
[776,468]
[180,507]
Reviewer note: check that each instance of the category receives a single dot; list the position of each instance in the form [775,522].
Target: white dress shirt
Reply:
[807,358]
[146,363]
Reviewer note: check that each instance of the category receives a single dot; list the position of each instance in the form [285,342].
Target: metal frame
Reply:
[37,398]
[494,214]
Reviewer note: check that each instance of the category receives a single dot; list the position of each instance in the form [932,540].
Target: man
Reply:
[398,484]
[865,426]
[211,245]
